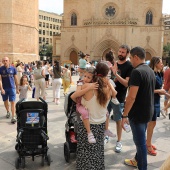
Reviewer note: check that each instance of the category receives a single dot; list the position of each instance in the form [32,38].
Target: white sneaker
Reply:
[118,147]
[106,139]
[163,113]
[115,101]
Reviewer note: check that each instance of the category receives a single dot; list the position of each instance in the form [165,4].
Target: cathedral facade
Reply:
[96,26]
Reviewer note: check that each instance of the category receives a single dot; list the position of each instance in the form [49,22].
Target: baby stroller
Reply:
[31,131]
[70,145]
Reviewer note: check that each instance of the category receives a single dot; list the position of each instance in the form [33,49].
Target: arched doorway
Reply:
[148,56]
[104,54]
[73,58]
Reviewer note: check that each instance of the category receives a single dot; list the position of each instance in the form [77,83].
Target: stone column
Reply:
[19,30]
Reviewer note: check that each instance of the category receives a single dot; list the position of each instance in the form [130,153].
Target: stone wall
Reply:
[19,30]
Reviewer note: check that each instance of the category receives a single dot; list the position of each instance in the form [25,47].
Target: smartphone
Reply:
[127,127]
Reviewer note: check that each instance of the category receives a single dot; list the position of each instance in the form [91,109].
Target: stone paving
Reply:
[56,131]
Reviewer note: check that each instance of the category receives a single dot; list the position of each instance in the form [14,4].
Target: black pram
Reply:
[31,131]
[70,145]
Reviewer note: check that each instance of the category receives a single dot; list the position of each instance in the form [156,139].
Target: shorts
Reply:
[117,110]
[46,77]
[166,98]
[9,94]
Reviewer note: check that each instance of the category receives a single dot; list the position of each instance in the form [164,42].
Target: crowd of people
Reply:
[128,86]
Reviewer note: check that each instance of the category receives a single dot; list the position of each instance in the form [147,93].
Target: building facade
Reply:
[167,29]
[19,30]
[49,25]
[95,26]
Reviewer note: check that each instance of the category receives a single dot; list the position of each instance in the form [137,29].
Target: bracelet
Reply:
[125,116]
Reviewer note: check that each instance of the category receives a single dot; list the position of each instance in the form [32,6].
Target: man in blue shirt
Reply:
[8,76]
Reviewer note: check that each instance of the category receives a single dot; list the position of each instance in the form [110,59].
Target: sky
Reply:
[56,6]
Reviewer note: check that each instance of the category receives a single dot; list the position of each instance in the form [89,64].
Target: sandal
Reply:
[91,138]
[154,147]
[130,162]
[151,152]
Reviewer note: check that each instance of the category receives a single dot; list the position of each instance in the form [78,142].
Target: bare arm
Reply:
[113,91]
[118,77]
[1,87]
[16,83]
[130,99]
[81,90]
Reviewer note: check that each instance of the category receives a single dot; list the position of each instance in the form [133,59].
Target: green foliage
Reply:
[46,50]
[166,48]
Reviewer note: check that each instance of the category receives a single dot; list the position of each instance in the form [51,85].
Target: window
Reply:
[40,39]
[73,19]
[51,26]
[51,33]
[47,32]
[44,17]
[43,32]
[57,27]
[44,24]
[40,31]
[149,18]
[40,24]
[51,40]
[47,25]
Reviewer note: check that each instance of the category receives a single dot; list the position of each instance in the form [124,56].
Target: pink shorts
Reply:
[81,109]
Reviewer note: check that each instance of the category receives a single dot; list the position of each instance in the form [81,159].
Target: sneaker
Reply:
[13,120]
[8,115]
[109,133]
[163,113]
[131,162]
[91,138]
[115,101]
[106,139]
[118,147]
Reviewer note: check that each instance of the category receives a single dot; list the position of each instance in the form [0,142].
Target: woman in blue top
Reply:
[156,65]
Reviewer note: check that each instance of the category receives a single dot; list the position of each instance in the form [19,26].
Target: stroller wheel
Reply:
[42,161]
[48,160]
[66,151]
[16,147]
[23,162]
[17,162]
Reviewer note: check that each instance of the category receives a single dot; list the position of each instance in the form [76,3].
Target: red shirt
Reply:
[167,79]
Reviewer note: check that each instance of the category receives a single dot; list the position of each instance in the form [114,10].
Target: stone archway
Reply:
[148,56]
[103,47]
[74,57]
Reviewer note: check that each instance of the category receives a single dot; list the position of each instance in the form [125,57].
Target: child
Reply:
[24,87]
[82,64]
[110,63]
[88,77]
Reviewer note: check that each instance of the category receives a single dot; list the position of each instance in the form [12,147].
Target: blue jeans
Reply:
[139,138]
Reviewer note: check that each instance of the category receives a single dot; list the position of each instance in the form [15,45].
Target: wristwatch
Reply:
[124,116]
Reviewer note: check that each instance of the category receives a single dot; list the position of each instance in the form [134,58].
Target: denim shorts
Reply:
[9,94]
[117,110]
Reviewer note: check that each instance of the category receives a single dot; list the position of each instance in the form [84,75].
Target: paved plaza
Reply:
[56,131]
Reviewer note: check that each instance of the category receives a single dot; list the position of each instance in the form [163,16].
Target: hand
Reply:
[124,120]
[94,86]
[2,91]
[17,91]
[162,92]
